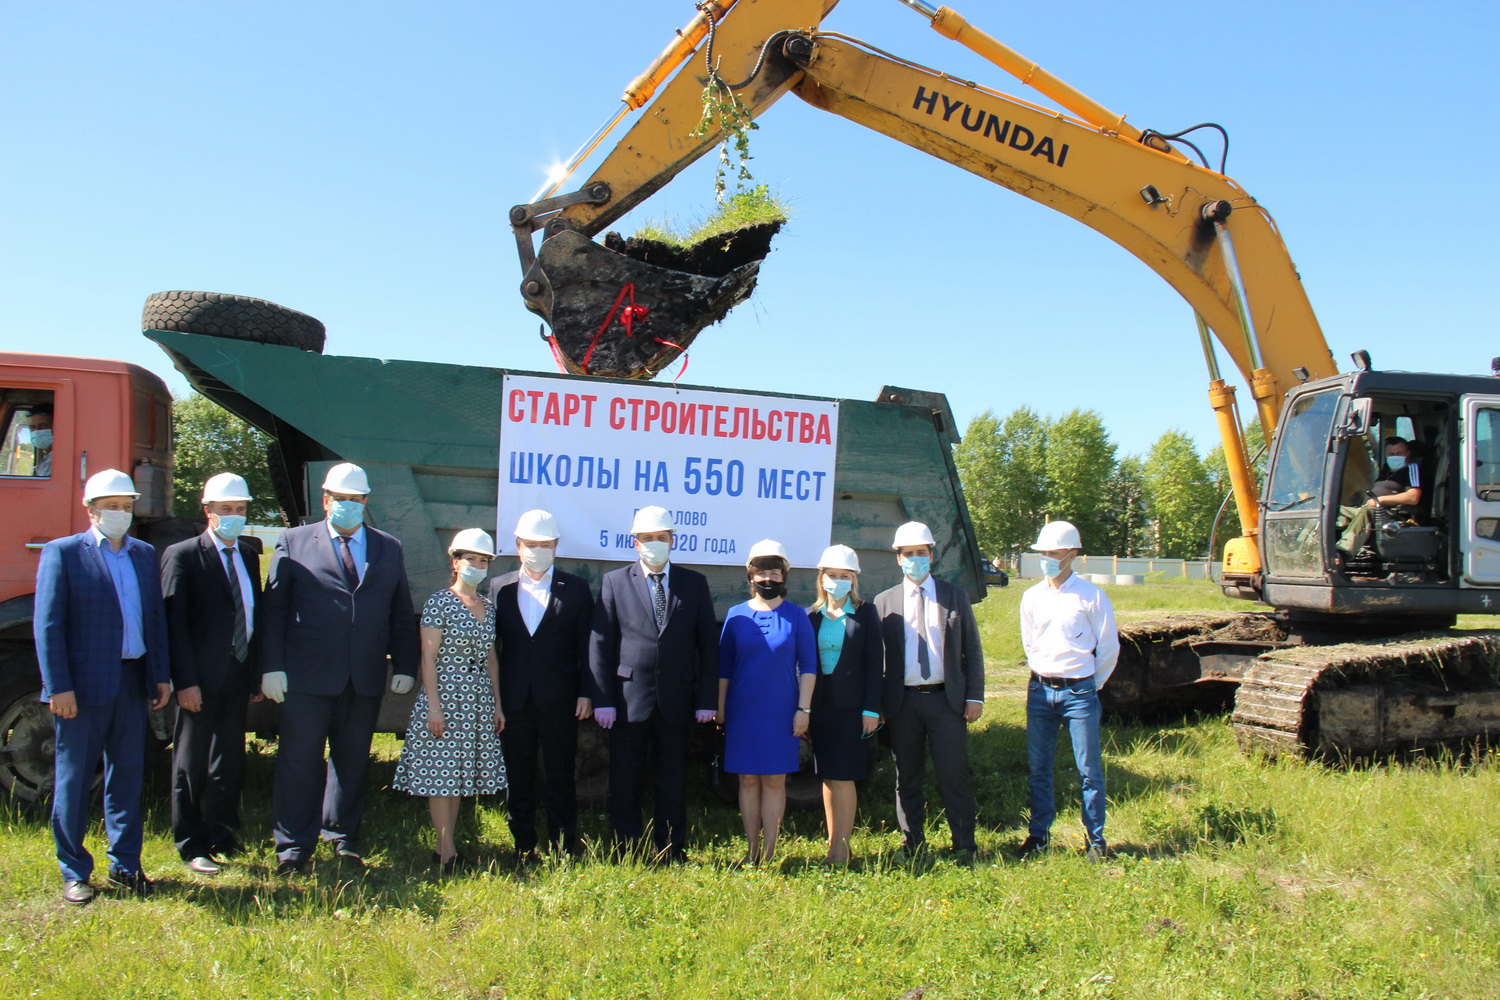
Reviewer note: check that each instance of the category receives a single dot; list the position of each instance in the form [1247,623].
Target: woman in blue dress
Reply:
[768,661]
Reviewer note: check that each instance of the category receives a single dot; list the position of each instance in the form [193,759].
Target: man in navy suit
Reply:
[934,689]
[654,655]
[211,585]
[101,639]
[337,603]
[542,619]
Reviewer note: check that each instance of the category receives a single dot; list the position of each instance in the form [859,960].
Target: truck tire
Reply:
[235,317]
[282,485]
[27,737]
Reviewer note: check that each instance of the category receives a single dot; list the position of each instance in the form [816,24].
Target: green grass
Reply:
[746,207]
[1235,878]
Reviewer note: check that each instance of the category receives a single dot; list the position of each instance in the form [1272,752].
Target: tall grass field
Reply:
[1233,877]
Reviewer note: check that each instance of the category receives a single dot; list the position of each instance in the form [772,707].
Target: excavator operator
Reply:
[1398,494]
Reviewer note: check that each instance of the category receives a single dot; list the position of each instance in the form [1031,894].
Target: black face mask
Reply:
[770,589]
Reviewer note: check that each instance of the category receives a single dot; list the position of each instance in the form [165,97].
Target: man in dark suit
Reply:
[211,585]
[101,640]
[542,620]
[934,688]
[654,656]
[337,603]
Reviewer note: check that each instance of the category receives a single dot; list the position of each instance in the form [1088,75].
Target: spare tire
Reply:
[236,317]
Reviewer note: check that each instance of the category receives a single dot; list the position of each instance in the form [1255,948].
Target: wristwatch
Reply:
[804,711]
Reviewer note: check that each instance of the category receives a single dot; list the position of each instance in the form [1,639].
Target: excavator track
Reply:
[1399,695]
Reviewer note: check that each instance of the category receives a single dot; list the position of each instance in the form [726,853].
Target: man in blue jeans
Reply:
[1068,632]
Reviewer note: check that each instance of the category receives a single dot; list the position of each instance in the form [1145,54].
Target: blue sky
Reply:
[356,161]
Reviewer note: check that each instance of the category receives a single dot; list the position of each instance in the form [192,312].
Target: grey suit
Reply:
[920,717]
[332,642]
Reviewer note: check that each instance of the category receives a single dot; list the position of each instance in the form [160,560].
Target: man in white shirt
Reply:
[934,689]
[1068,632]
[542,619]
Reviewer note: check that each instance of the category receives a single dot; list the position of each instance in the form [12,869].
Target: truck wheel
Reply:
[27,740]
[235,317]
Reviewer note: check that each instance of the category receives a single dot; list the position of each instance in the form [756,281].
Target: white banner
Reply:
[732,468]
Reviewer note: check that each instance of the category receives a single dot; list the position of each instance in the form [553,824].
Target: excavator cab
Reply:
[1326,547]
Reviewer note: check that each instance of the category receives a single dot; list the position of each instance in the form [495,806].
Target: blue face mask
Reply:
[1395,462]
[836,589]
[230,526]
[1051,568]
[472,575]
[346,513]
[916,568]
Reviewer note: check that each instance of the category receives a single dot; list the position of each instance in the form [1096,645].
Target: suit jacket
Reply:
[323,635]
[200,615]
[636,669]
[552,664]
[963,657]
[857,683]
[78,625]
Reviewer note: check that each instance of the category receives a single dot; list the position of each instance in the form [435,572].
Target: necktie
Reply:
[241,641]
[659,599]
[351,575]
[924,657]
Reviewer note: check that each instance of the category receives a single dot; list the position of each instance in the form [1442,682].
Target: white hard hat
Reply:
[839,557]
[767,548]
[651,519]
[226,486]
[913,533]
[537,526]
[346,477]
[1057,535]
[109,483]
[473,540]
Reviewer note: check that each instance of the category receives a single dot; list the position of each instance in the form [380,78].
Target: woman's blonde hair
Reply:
[852,601]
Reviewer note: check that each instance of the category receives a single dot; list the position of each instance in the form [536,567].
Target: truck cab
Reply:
[100,415]
[1436,560]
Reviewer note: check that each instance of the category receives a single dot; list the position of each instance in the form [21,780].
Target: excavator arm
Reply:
[1195,227]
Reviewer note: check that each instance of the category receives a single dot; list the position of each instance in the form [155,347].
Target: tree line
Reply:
[1022,470]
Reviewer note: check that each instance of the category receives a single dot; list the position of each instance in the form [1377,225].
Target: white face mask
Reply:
[536,558]
[472,575]
[114,523]
[655,554]
[41,440]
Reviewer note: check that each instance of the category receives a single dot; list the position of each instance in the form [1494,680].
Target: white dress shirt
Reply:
[1068,631]
[533,596]
[247,596]
[930,630]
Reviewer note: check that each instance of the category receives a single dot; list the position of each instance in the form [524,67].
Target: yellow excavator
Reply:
[1307,679]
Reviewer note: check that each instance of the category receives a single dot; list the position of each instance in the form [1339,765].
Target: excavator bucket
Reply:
[629,308]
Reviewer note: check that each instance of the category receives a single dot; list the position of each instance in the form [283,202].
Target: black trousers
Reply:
[659,748]
[927,720]
[208,773]
[553,734]
[310,796]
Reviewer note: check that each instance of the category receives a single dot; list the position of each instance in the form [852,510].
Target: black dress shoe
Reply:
[203,865]
[227,849]
[1032,847]
[135,882]
[350,855]
[291,866]
[78,892]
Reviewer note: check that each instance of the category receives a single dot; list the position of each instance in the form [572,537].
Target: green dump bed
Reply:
[429,437]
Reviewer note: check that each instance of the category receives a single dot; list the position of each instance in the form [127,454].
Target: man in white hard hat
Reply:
[211,585]
[654,655]
[1068,632]
[101,641]
[542,619]
[934,689]
[337,604]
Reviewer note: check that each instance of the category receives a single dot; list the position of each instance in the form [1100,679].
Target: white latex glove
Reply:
[402,683]
[273,685]
[605,717]
[705,715]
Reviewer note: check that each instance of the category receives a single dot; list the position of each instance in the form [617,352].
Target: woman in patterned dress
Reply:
[452,744]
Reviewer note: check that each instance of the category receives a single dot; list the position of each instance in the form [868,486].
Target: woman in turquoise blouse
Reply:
[846,697]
